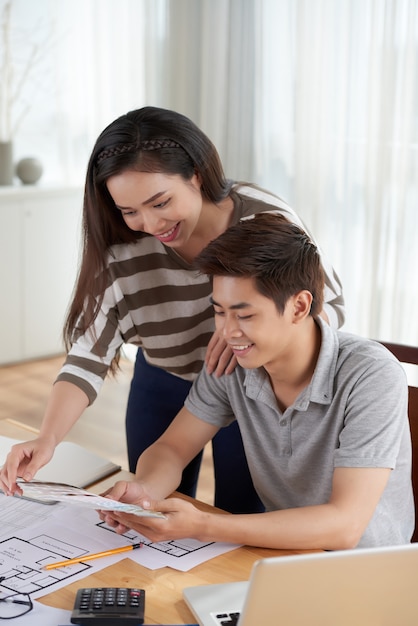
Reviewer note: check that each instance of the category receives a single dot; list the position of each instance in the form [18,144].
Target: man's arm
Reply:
[159,468]
[338,524]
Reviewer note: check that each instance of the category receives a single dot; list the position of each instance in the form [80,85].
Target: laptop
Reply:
[363,587]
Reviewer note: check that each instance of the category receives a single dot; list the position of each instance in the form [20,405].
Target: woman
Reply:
[155,196]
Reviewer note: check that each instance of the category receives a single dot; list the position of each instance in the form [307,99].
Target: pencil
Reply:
[89,557]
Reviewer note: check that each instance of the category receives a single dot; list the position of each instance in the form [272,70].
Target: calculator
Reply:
[109,606]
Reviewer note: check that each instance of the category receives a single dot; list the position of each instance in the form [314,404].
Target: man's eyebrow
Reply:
[234,307]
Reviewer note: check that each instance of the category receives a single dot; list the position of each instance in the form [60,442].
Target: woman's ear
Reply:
[302,302]
[196,180]
[198,176]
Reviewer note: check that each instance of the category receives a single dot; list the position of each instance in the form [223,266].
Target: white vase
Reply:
[6,163]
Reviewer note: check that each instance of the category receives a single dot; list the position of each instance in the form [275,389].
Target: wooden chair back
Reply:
[409,354]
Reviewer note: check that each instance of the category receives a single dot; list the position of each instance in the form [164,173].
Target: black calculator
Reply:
[109,606]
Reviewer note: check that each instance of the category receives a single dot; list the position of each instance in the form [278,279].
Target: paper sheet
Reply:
[53,492]
[180,554]
[17,514]
[55,533]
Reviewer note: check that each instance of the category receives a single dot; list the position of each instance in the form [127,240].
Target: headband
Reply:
[147,145]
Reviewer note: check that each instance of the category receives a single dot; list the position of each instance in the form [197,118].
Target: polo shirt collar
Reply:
[320,389]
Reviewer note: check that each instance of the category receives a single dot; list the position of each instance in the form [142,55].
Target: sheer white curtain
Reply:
[318,100]
[337,131]
[210,74]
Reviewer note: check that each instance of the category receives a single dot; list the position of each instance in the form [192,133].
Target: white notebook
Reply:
[71,464]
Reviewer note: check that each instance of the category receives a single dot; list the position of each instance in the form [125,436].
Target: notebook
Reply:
[364,587]
[71,464]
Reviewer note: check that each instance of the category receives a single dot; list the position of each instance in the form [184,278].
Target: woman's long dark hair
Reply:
[147,140]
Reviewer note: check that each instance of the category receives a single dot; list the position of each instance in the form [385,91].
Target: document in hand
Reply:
[53,492]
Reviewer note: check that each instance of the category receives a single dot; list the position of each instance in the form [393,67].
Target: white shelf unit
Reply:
[40,235]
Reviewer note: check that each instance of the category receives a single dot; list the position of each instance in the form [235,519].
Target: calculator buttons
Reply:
[109,606]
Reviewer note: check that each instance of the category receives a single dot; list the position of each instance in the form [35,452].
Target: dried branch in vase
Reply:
[21,61]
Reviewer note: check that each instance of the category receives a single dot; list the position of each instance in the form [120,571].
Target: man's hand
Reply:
[183,520]
[131,491]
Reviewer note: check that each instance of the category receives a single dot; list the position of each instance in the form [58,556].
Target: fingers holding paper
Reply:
[131,492]
[24,460]
[183,520]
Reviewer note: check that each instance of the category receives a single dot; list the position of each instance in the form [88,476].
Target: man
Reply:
[323,414]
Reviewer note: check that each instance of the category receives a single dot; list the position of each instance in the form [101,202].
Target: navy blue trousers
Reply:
[155,398]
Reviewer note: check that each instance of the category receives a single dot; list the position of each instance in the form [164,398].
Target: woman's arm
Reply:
[66,403]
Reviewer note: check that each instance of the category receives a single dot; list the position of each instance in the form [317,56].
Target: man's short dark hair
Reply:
[279,255]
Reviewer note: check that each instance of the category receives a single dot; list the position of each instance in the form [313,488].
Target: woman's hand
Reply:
[24,460]
[183,520]
[219,357]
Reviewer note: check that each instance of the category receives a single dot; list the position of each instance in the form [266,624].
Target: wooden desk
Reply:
[16,430]
[164,602]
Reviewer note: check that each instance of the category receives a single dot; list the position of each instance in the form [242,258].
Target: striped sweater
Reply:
[155,300]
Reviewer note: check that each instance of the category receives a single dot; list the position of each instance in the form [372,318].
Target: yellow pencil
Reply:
[89,557]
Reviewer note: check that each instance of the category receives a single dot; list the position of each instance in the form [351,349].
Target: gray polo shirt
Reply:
[352,414]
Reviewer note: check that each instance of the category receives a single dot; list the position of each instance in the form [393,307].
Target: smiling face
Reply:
[251,324]
[162,205]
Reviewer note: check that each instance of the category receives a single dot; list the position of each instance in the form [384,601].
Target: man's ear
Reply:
[302,302]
